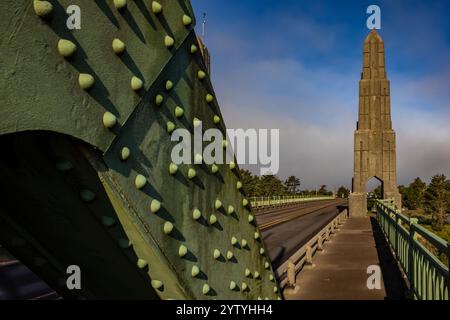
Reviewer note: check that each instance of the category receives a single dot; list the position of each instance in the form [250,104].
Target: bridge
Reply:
[88,178]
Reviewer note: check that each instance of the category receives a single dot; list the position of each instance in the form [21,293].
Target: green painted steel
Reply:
[262,202]
[428,277]
[96,107]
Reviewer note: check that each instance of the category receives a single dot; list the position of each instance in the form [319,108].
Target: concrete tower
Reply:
[374,149]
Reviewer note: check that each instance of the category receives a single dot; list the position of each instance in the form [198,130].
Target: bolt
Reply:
[232,165]
[195,271]
[66,48]
[141,263]
[182,251]
[125,153]
[86,81]
[214,168]
[244,286]
[216,119]
[191,173]
[238,185]
[261,251]
[244,243]
[218,204]
[173,168]
[158,285]
[230,255]
[169,41]
[232,285]
[156,7]
[212,219]
[118,46]
[209,98]
[216,254]
[244,202]
[140,181]
[193,49]
[159,99]
[256,235]
[256,275]
[136,83]
[42,8]
[169,85]
[186,20]
[170,126]
[205,289]
[230,209]
[201,74]
[155,205]
[248,273]
[196,214]
[109,120]
[234,241]
[179,112]
[251,218]
[266,265]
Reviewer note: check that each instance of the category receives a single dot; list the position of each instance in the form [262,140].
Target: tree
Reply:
[378,192]
[342,192]
[292,183]
[437,200]
[250,183]
[415,194]
[323,191]
[270,185]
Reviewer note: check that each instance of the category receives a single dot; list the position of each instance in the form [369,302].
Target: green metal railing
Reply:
[260,202]
[428,277]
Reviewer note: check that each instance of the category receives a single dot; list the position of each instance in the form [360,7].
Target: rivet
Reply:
[256,275]
[198,159]
[216,119]
[156,7]
[271,278]
[230,209]
[169,85]
[170,126]
[232,285]
[168,41]
[205,289]
[244,243]
[216,254]
[108,221]
[201,74]
[266,298]
[224,144]
[212,219]
[238,185]
[209,98]
[195,271]
[218,204]
[136,83]
[186,20]
[196,214]
[275,289]
[248,273]
[141,263]
[261,251]
[64,165]
[87,195]
[251,218]
[168,227]
[244,286]
[86,81]
[125,153]
[173,168]
[66,48]
[214,168]
[256,235]
[191,173]
[196,122]
[140,181]
[230,255]
[120,4]
[42,8]
[109,120]
[234,241]
[259,298]
[244,202]
[179,112]
[232,165]
[182,251]
[118,46]
[266,265]
[157,284]
[159,99]
[124,243]
[155,205]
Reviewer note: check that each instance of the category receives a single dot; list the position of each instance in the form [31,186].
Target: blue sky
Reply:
[295,65]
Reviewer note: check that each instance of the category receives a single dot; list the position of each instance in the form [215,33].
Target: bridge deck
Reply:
[340,271]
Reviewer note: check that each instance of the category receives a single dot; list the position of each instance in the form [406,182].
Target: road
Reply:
[286,230]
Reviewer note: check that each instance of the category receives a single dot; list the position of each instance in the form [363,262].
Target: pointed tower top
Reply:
[373,36]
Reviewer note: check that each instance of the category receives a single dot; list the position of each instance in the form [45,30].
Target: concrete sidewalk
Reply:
[340,271]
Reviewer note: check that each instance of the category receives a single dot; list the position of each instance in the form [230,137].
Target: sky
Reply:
[295,65]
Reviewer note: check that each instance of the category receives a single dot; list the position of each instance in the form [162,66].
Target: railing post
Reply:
[308,255]
[411,260]
[291,276]
[320,243]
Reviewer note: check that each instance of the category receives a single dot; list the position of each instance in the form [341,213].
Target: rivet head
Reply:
[230,255]
[201,74]
[230,209]
[157,284]
[275,289]
[156,7]
[170,126]
[159,99]
[244,286]
[232,165]
[136,83]
[168,227]
[232,285]
[86,81]
[140,181]
[209,98]
[205,289]
[169,41]
[108,221]
[173,168]
[256,275]
[125,153]
[251,218]
[120,4]
[195,271]
[124,243]
[198,159]
[182,251]
[87,195]
[169,85]
[266,265]
[218,204]
[238,185]
[109,120]
[193,49]
[141,263]
[212,219]
[214,168]
[196,122]
[248,273]
[191,173]
[271,278]
[155,205]
[64,166]
[216,254]
[66,48]
[256,235]
[118,46]
[261,251]
[224,144]
[234,241]
[216,119]
[244,202]
[196,214]
[259,298]
[42,8]
[244,243]
[186,20]
[179,112]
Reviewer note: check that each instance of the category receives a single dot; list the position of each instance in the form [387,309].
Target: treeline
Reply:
[271,185]
[432,199]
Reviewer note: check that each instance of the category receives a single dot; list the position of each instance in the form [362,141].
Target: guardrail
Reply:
[287,272]
[428,277]
[261,202]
